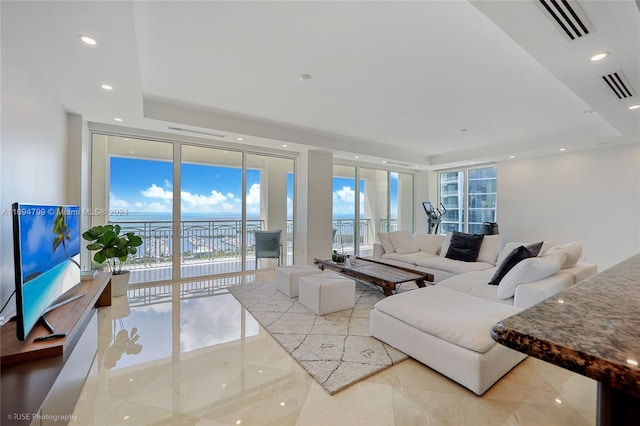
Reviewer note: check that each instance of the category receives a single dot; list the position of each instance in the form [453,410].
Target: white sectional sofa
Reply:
[447,326]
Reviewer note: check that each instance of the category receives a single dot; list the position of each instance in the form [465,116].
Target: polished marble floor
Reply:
[197,357]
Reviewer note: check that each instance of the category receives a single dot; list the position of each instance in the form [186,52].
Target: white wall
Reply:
[588,196]
[33,162]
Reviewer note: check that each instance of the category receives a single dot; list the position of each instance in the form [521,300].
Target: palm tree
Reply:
[62,232]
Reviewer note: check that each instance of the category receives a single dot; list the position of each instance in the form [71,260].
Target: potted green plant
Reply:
[114,249]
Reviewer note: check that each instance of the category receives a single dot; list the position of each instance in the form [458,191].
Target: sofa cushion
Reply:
[458,318]
[475,284]
[464,246]
[387,245]
[429,243]
[490,248]
[573,251]
[445,244]
[403,242]
[453,266]
[410,258]
[526,271]
[518,254]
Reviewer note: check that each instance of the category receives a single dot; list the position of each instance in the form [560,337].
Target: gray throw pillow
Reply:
[464,247]
[518,254]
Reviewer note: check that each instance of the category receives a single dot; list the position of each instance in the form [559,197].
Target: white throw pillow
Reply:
[572,250]
[403,242]
[489,249]
[445,244]
[428,242]
[387,245]
[526,271]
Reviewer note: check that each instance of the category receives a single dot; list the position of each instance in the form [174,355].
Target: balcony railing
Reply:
[204,241]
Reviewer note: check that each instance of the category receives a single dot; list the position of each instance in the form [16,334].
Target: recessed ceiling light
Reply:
[384,161]
[598,57]
[357,156]
[634,107]
[130,152]
[118,119]
[125,139]
[284,145]
[563,149]
[472,163]
[240,139]
[107,87]
[88,40]
[512,156]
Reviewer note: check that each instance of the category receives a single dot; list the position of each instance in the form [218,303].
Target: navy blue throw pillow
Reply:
[517,254]
[464,247]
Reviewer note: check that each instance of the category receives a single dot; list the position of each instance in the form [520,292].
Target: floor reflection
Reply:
[190,354]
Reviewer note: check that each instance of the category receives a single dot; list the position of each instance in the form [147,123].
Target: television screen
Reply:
[46,241]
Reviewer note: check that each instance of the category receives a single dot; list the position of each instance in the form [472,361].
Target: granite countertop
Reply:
[592,328]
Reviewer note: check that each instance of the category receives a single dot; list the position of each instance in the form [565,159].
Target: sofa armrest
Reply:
[378,250]
[529,294]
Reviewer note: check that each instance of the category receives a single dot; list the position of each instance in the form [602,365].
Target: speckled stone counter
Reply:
[592,328]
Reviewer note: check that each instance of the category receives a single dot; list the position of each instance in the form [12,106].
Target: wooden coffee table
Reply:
[378,273]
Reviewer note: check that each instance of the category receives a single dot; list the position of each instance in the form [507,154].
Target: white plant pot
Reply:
[119,284]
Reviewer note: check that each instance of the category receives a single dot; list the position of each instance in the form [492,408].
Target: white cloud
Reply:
[346,194]
[168,184]
[154,191]
[253,197]
[37,234]
[197,202]
[117,203]
[157,207]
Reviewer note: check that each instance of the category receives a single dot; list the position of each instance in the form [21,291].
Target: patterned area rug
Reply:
[335,349]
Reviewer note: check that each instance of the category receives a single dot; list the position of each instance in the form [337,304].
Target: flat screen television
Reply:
[46,244]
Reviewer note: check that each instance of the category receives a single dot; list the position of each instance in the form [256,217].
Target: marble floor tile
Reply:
[186,358]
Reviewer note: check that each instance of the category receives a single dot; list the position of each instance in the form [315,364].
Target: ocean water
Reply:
[40,292]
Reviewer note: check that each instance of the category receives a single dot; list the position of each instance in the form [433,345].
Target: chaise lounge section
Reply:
[447,326]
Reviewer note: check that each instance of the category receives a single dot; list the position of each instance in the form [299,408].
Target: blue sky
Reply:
[146,186]
[36,238]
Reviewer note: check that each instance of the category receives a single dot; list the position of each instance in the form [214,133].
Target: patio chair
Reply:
[268,245]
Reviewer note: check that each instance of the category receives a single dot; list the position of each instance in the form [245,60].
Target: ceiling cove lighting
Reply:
[89,41]
[599,56]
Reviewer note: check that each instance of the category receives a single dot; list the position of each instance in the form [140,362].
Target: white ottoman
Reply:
[287,277]
[327,292]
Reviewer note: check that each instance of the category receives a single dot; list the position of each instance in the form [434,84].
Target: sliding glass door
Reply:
[197,208]
[211,211]
[367,201]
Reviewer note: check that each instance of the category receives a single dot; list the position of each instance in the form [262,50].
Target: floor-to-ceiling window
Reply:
[211,211]
[470,197]
[384,202]
[344,208]
[196,207]
[132,186]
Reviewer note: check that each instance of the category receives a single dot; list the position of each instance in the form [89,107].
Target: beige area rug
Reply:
[335,349]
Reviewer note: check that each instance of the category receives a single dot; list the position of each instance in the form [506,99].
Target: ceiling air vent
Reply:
[618,84]
[567,17]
